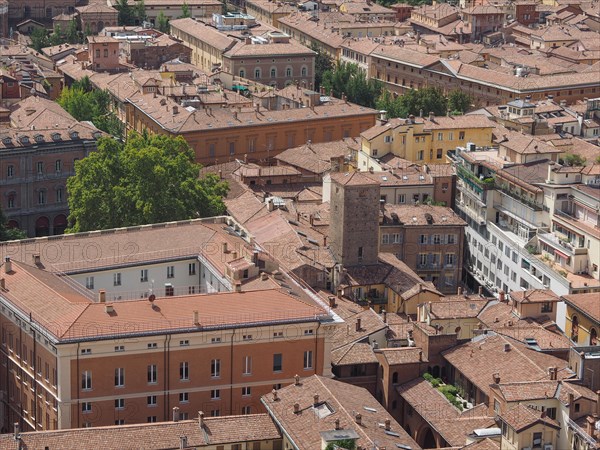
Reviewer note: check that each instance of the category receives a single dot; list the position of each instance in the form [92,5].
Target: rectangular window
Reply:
[86,380]
[119,403]
[215,368]
[120,422]
[215,340]
[152,374]
[143,275]
[440,136]
[451,239]
[215,413]
[402,198]
[184,397]
[117,279]
[89,282]
[170,271]
[184,343]
[40,168]
[461,135]
[86,351]
[385,238]
[277,362]
[246,391]
[151,400]
[119,377]
[215,394]
[58,165]
[546,307]
[59,195]
[449,259]
[247,337]
[437,239]
[308,359]
[192,268]
[247,365]
[86,407]
[151,419]
[537,440]
[10,171]
[152,345]
[245,410]
[119,348]
[423,239]
[184,371]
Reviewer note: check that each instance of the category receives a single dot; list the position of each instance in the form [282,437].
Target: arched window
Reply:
[242,73]
[273,72]
[395,378]
[304,71]
[288,72]
[257,73]
[594,337]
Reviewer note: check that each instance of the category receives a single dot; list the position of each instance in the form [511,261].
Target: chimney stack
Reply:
[598,403]
[388,424]
[201,419]
[431,116]
[196,318]
[507,347]
[496,378]
[297,380]
[17,434]
[275,396]
[224,247]
[238,287]
[316,399]
[480,290]
[102,296]
[384,312]
[358,418]
[331,301]
[358,324]
[296,408]
[459,291]
[175,414]
[2,283]
[501,296]
[7,265]
[37,260]
[337,424]
[109,309]
[590,425]
[553,372]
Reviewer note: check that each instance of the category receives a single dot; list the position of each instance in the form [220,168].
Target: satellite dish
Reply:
[152,298]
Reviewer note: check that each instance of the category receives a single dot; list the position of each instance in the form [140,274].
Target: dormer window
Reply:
[74,135]
[97,135]
[56,136]
[24,139]
[7,141]
[39,138]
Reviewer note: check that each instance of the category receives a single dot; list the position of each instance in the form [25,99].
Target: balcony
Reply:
[562,244]
[514,199]
[473,181]
[471,213]
[429,266]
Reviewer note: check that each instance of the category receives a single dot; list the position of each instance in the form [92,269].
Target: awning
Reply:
[237,87]
[561,254]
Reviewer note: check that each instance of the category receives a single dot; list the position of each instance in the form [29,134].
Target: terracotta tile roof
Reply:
[526,144]
[370,323]
[204,33]
[337,400]
[521,417]
[457,309]
[457,122]
[567,387]
[40,113]
[485,355]
[356,353]
[316,158]
[527,390]
[534,296]
[352,179]
[485,444]
[282,49]
[403,355]
[246,207]
[151,436]
[438,216]
[586,303]
[454,426]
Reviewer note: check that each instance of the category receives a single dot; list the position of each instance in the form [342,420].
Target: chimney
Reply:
[388,424]
[431,116]
[315,399]
[324,241]
[590,425]
[340,292]
[2,283]
[175,109]
[552,371]
[102,296]
[264,276]
[109,309]
[358,418]
[571,404]
[384,312]
[224,246]
[296,408]
[501,296]
[37,260]
[459,291]
[480,291]
[234,255]
[358,324]
[297,380]
[507,347]
[196,318]
[275,396]
[420,356]
[17,431]
[331,301]
[238,287]
[337,424]
[496,378]
[183,442]
[175,414]
[235,116]
[7,265]
[201,419]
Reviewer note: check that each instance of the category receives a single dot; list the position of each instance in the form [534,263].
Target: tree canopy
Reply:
[323,63]
[458,101]
[162,22]
[131,14]
[85,103]
[7,233]
[414,102]
[350,80]
[151,179]
[40,37]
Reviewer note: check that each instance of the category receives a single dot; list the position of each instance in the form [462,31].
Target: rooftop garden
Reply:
[449,391]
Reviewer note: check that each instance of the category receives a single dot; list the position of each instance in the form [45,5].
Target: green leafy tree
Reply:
[56,37]
[126,13]
[346,444]
[39,39]
[162,23]
[323,63]
[140,11]
[349,80]
[185,11]
[152,178]
[72,35]
[598,160]
[572,159]
[7,233]
[415,102]
[459,101]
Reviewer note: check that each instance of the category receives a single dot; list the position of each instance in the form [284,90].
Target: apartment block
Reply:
[429,239]
[108,345]
[423,140]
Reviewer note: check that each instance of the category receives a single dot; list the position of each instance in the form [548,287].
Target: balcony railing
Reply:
[581,433]
[523,200]
[472,180]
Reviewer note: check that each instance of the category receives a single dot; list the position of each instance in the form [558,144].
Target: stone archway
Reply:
[42,226]
[427,439]
[59,224]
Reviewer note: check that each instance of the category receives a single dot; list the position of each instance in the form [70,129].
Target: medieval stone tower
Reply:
[354,222]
